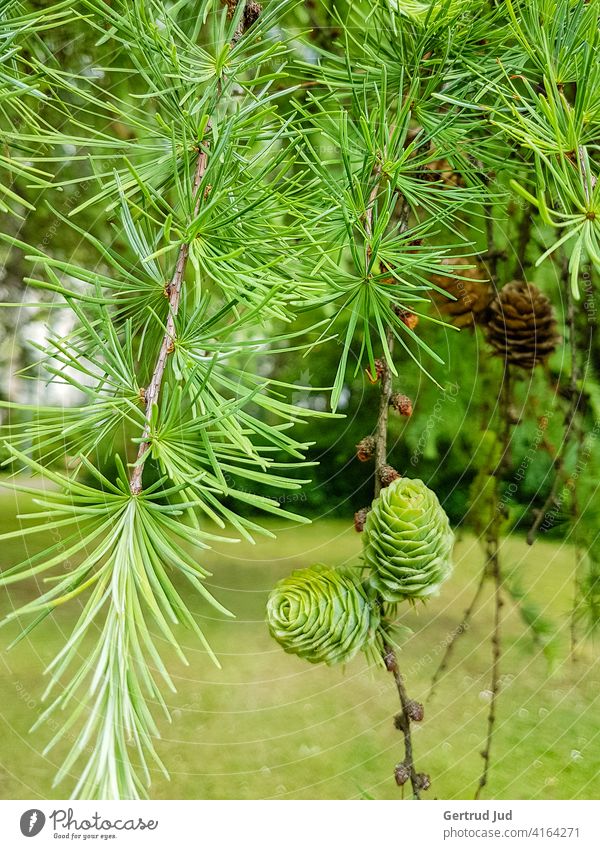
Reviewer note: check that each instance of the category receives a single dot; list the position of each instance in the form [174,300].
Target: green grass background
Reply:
[272,726]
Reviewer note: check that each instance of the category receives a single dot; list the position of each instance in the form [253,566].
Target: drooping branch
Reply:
[174,291]
[410,710]
[579,563]
[461,629]
[525,228]
[385,395]
[578,438]
[493,564]
[493,568]
[403,720]
[570,429]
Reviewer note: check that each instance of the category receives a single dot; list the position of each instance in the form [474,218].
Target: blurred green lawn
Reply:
[271,726]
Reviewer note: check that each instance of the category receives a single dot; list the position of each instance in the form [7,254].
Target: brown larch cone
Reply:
[522,325]
[251,14]
[473,295]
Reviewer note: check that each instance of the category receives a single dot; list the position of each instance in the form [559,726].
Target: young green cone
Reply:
[322,615]
[407,541]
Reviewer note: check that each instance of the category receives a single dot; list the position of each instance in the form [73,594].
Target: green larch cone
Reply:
[407,541]
[322,614]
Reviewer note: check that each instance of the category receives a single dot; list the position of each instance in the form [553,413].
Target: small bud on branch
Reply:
[365,449]
[387,475]
[360,517]
[401,774]
[423,781]
[414,711]
[402,404]
[379,370]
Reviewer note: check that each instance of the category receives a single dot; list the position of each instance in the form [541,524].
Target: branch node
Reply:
[387,475]
[423,781]
[414,710]
[379,371]
[365,449]
[402,773]
[389,658]
[360,517]
[402,404]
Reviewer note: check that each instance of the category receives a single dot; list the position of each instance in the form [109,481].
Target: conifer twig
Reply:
[570,430]
[174,290]
[403,720]
[494,569]
[493,564]
[458,632]
[574,397]
[526,223]
[388,653]
[385,394]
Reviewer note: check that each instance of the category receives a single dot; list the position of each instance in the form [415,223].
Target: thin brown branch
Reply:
[388,653]
[174,291]
[462,628]
[578,545]
[526,223]
[493,564]
[391,662]
[574,382]
[494,569]
[551,498]
[418,782]
[570,429]
[382,419]
[577,579]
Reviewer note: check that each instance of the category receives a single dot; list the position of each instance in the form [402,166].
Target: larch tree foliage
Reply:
[201,191]
[238,167]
